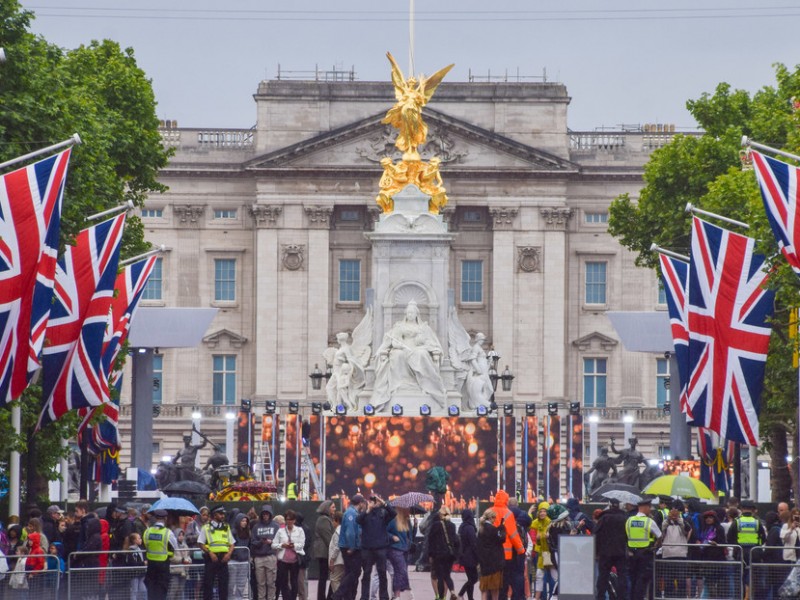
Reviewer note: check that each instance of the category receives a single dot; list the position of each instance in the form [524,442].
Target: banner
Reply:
[553,454]
[509,456]
[391,455]
[575,466]
[292,465]
[244,449]
[530,467]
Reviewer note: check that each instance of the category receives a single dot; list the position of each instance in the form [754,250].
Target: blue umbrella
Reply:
[181,506]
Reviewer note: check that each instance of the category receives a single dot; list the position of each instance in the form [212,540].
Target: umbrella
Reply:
[623,496]
[679,485]
[417,509]
[187,487]
[178,506]
[410,499]
[614,486]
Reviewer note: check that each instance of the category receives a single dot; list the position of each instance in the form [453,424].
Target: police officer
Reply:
[216,541]
[642,533]
[747,532]
[159,544]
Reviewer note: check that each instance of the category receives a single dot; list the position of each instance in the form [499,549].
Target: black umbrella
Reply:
[417,510]
[614,486]
[187,487]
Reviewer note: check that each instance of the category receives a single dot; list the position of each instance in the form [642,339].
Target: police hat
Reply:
[748,505]
[160,513]
[218,509]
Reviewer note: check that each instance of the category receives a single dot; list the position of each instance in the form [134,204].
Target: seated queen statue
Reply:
[408,362]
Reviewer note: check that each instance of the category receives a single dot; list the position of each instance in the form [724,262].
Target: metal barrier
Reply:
[712,572]
[87,581]
[771,576]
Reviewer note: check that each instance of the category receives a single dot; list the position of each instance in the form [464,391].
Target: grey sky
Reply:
[622,61]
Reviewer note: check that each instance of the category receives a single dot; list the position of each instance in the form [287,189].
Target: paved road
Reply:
[420,586]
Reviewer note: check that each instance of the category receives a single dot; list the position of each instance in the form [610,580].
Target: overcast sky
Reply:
[623,62]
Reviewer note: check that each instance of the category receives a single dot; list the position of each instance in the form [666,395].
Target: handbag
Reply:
[289,554]
[547,560]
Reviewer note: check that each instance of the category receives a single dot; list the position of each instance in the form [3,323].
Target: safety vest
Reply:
[638,531]
[664,514]
[156,544]
[291,491]
[217,540]
[747,531]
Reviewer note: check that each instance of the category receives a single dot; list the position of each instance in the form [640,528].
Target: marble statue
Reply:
[348,363]
[471,366]
[408,362]
[630,458]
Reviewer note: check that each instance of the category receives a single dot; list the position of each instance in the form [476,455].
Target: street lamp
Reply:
[316,377]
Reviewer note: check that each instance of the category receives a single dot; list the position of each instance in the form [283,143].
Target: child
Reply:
[133,559]
[55,570]
[18,582]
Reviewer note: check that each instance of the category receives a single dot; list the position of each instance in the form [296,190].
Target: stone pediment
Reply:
[212,340]
[460,146]
[595,340]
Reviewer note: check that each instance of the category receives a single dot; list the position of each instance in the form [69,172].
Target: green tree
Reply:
[706,171]
[46,94]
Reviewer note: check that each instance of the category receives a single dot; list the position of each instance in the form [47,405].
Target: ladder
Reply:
[308,471]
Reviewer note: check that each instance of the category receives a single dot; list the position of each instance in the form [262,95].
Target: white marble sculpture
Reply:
[408,362]
[348,363]
[470,364]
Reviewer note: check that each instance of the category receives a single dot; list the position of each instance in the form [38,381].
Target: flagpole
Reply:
[74,140]
[748,143]
[691,208]
[111,211]
[681,257]
[129,261]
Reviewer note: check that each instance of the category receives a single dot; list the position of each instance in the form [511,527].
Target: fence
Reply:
[771,576]
[118,580]
[710,572]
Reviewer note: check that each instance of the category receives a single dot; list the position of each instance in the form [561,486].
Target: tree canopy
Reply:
[706,170]
[47,93]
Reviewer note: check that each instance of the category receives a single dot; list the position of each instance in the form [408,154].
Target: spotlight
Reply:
[530,410]
[316,408]
[294,408]
[326,405]
[492,405]
[453,410]
[508,410]
[397,410]
[369,410]
[270,407]
[246,405]
[341,409]
[552,408]
[425,410]
[482,410]
[574,408]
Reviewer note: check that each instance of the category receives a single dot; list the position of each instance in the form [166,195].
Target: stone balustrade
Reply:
[207,139]
[589,142]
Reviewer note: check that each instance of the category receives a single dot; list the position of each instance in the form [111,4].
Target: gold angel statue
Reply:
[406,115]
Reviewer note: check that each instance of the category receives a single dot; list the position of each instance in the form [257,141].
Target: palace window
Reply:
[596,282]
[471,281]
[153,288]
[349,280]
[662,376]
[594,382]
[152,213]
[225,279]
[224,213]
[158,377]
[224,373]
[596,218]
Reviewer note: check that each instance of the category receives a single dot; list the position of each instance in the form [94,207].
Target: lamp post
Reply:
[230,421]
[197,416]
[506,378]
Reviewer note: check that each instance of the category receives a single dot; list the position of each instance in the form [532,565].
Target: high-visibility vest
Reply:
[156,544]
[747,531]
[638,530]
[217,540]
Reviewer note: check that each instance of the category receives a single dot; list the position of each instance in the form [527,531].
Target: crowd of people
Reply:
[133,553]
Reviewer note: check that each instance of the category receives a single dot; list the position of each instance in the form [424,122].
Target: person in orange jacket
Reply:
[513,550]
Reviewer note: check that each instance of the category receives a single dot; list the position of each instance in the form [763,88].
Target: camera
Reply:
[373,498]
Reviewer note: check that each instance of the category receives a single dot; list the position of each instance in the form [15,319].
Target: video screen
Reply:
[391,455]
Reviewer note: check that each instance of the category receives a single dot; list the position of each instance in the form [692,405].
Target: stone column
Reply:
[554,305]
[265,218]
[503,286]
[318,273]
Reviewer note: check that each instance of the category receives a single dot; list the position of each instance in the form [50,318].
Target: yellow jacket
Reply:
[540,526]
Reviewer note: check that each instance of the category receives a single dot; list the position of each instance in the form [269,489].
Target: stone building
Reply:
[268,225]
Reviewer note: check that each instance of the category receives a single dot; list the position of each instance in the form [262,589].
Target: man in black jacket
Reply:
[374,542]
[611,547]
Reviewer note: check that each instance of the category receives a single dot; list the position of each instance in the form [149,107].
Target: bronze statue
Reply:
[601,468]
[406,115]
[187,456]
[630,458]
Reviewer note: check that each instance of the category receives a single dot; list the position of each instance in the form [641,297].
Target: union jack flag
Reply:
[779,191]
[716,457]
[30,220]
[84,287]
[128,291]
[675,277]
[728,309]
